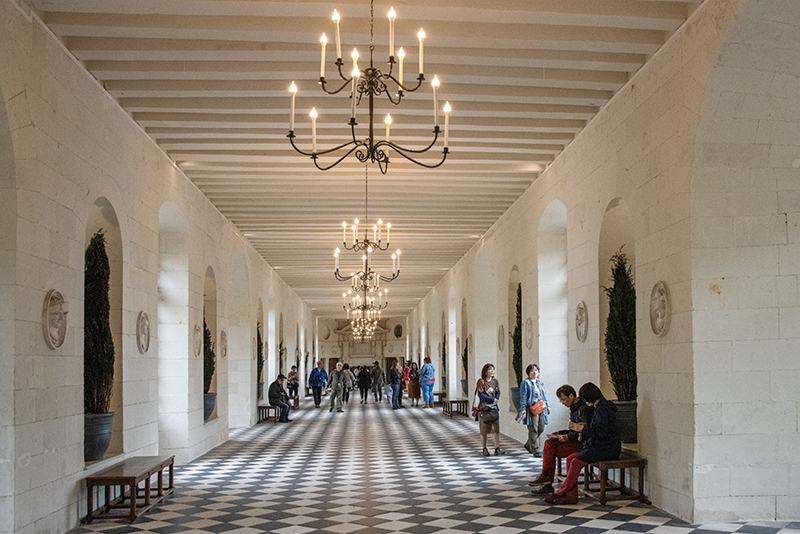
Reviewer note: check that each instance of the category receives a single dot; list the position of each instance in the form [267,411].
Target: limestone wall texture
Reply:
[65,145]
[701,148]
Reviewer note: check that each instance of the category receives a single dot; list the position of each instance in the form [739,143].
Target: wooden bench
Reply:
[439,397]
[265,411]
[130,472]
[627,460]
[455,407]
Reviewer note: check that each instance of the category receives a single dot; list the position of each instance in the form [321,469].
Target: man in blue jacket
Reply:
[317,379]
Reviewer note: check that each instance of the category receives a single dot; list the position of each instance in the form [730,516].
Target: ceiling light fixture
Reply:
[371,83]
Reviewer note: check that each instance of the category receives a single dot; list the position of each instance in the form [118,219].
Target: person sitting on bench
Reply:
[278,397]
[562,443]
[601,441]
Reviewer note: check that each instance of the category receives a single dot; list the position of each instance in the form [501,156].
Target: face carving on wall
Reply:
[54,319]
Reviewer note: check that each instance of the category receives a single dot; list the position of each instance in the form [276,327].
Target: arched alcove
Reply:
[441,352]
[258,368]
[174,344]
[616,232]
[102,217]
[507,354]
[281,346]
[210,320]
[553,324]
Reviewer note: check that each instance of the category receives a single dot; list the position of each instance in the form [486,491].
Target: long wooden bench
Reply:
[439,397]
[130,473]
[627,460]
[455,407]
[265,411]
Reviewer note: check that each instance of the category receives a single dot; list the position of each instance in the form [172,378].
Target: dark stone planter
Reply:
[627,420]
[209,401]
[515,398]
[465,387]
[96,435]
[259,390]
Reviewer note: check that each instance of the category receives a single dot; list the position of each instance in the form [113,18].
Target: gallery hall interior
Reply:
[235,235]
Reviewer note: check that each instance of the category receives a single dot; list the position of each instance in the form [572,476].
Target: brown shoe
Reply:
[543,490]
[538,481]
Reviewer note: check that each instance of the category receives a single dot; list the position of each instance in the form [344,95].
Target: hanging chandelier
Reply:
[364,313]
[371,83]
[366,280]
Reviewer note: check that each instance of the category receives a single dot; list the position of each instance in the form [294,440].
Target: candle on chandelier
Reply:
[293,90]
[435,85]
[354,55]
[394,263]
[392,16]
[388,122]
[356,75]
[323,41]
[388,225]
[401,54]
[344,233]
[398,260]
[344,300]
[336,260]
[380,222]
[421,36]
[313,129]
[338,39]
[364,258]
[374,233]
[446,121]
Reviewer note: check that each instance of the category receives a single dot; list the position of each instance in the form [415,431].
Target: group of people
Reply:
[593,433]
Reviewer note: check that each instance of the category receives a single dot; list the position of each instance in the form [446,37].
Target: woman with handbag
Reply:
[535,408]
[488,392]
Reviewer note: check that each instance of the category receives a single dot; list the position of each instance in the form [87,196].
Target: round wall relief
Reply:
[529,333]
[198,340]
[501,337]
[223,344]
[324,332]
[581,321]
[659,309]
[398,331]
[54,319]
[143,332]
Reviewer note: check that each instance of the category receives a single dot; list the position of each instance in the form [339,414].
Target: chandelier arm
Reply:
[323,83]
[399,149]
[291,137]
[389,279]
[420,79]
[335,163]
[412,160]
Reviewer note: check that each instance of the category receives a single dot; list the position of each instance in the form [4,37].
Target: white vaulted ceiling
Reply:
[208,80]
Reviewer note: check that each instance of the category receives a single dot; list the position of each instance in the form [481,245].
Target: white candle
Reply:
[398,259]
[293,90]
[344,300]
[435,84]
[344,233]
[388,122]
[421,36]
[336,260]
[392,16]
[380,222]
[313,129]
[338,39]
[394,263]
[354,234]
[401,54]
[388,226]
[354,55]
[323,41]
[356,75]
[446,121]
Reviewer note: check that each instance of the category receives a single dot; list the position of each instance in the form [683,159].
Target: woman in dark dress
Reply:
[601,441]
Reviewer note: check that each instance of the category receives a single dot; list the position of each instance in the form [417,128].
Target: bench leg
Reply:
[134,489]
[642,498]
[603,482]
[147,492]
[622,480]
[89,502]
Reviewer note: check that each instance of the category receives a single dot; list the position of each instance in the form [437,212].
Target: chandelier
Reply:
[364,313]
[371,83]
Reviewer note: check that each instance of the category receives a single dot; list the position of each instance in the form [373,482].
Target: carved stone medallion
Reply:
[659,309]
[581,321]
[198,340]
[143,332]
[54,319]
[529,333]
[501,338]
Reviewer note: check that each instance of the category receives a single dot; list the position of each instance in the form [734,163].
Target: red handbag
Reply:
[538,407]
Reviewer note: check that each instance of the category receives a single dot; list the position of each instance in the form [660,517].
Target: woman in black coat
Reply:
[601,441]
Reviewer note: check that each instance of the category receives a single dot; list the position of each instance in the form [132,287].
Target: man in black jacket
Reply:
[564,442]
[278,397]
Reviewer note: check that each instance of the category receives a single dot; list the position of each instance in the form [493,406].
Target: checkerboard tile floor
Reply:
[374,470]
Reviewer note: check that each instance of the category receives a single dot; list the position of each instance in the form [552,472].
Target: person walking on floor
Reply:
[426,380]
[563,443]
[396,380]
[340,379]
[488,391]
[531,392]
[377,379]
[352,382]
[317,379]
[363,383]
[413,384]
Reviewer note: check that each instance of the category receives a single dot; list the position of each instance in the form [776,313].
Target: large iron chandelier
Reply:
[364,313]
[371,83]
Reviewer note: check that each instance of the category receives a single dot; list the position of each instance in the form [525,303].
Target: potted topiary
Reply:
[516,349]
[281,356]
[209,365]
[465,368]
[443,387]
[259,362]
[620,343]
[98,351]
